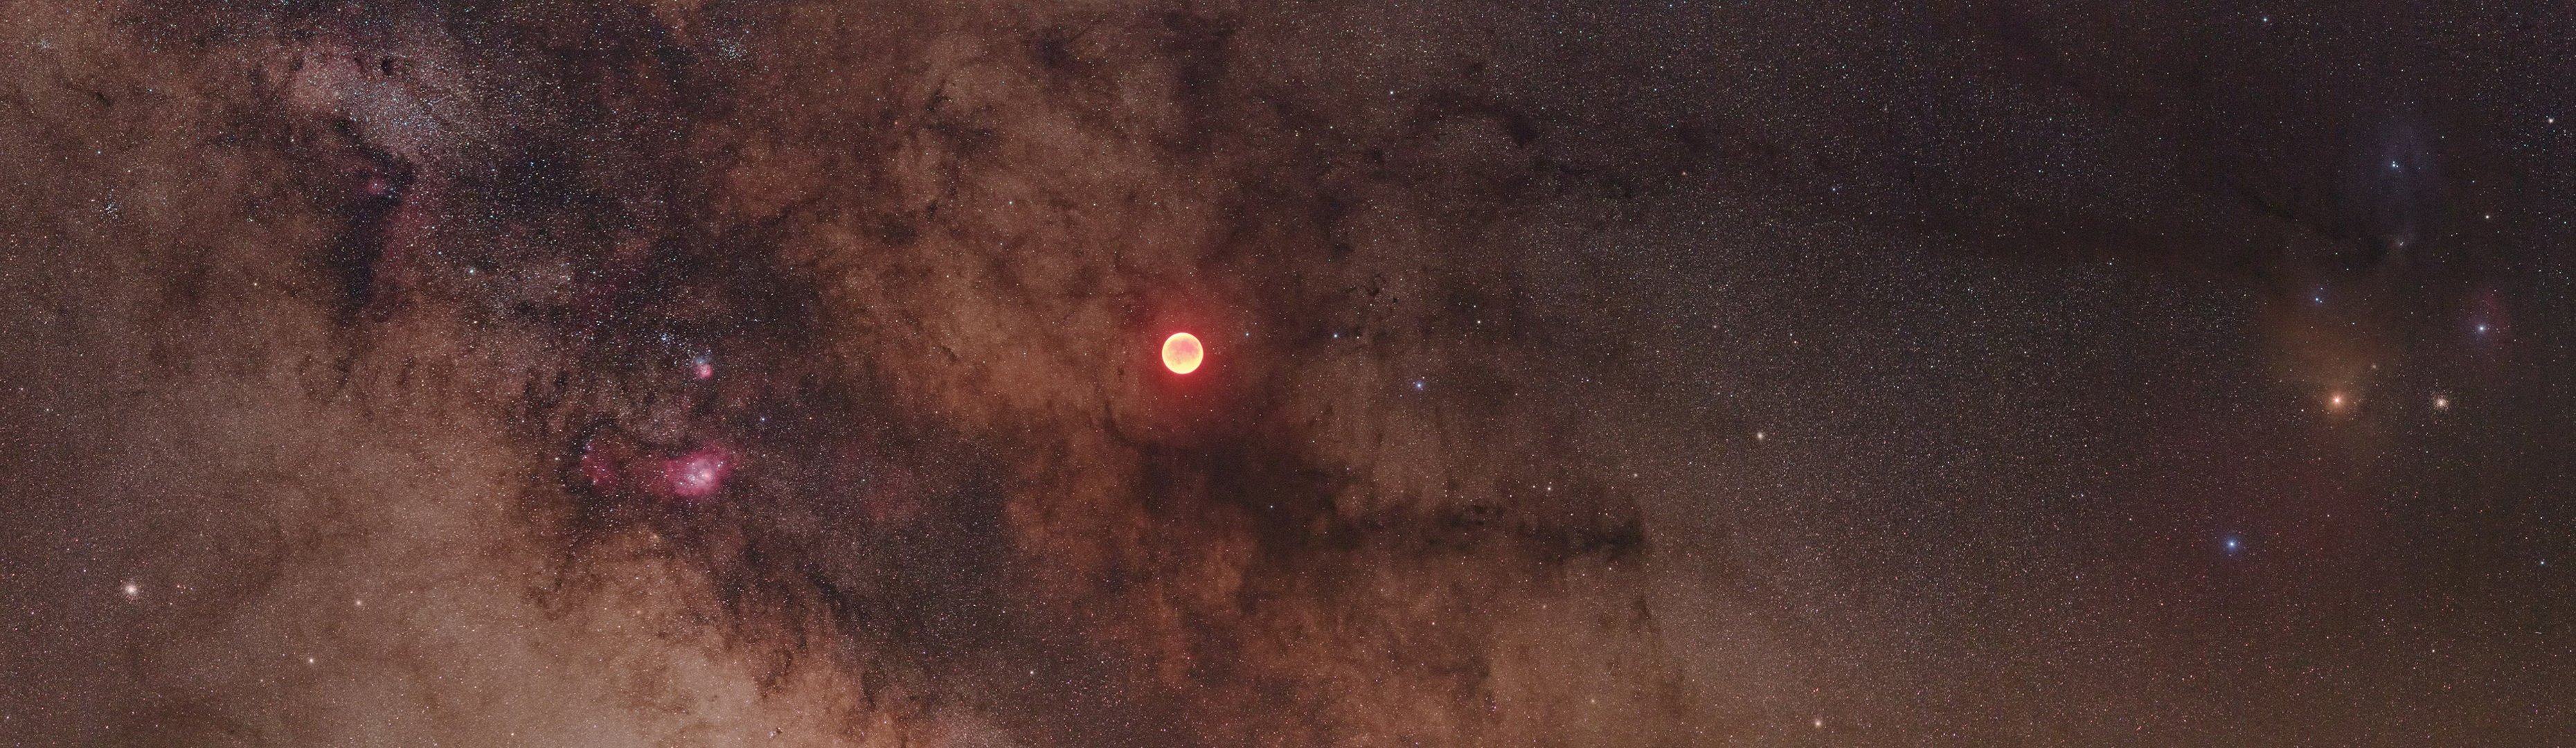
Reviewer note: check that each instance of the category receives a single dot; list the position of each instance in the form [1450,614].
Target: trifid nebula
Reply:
[1185,374]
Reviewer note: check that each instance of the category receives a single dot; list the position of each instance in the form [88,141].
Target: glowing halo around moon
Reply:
[1182,353]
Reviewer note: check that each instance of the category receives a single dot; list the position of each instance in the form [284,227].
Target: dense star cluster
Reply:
[1178,374]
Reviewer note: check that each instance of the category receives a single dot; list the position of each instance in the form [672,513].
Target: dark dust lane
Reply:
[771,367]
[716,372]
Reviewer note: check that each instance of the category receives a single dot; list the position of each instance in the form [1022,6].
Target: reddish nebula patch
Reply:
[601,461]
[698,474]
[610,465]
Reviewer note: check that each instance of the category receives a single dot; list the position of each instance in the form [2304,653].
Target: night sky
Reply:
[789,372]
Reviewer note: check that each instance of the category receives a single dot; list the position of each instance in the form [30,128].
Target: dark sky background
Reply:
[718,372]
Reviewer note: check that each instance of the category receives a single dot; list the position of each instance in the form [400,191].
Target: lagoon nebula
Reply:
[1180,374]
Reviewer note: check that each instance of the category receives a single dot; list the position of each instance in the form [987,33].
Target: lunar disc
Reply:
[1182,353]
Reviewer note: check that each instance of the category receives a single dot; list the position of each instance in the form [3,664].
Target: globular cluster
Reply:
[839,372]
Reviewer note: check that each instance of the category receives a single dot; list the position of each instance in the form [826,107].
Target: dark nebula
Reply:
[715,372]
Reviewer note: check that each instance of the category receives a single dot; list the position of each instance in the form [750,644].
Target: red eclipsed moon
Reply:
[1182,353]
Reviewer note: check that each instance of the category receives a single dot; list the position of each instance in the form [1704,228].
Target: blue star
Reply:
[2233,544]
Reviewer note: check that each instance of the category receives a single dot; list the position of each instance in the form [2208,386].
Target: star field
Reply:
[827,372]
